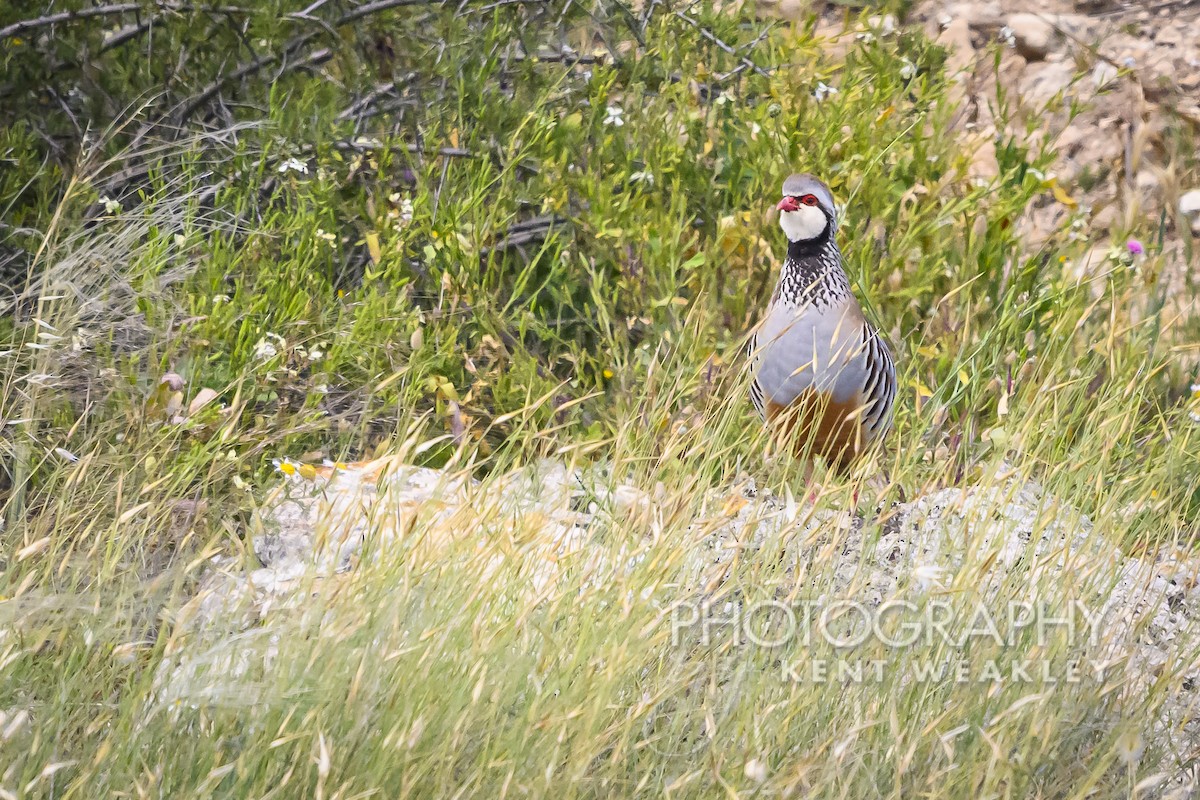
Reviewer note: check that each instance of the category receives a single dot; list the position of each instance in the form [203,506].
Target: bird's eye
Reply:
[809,200]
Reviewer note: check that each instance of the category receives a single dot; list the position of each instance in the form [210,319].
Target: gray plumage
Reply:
[814,353]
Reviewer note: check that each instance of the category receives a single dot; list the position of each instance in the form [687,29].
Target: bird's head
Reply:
[806,211]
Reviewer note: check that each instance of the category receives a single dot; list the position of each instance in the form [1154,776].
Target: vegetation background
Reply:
[517,229]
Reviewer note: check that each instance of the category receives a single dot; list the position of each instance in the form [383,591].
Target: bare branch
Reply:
[707,34]
[65,16]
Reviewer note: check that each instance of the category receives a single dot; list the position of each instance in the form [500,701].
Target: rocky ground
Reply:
[1112,89]
[320,524]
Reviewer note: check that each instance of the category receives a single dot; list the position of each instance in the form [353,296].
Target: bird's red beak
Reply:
[788,204]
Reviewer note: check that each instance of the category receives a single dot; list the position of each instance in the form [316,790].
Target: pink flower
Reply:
[1135,247]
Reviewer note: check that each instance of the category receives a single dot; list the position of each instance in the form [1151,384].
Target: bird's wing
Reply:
[756,392]
[879,388]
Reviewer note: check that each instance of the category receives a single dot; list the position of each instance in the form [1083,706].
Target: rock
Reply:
[1147,184]
[957,39]
[1089,264]
[793,10]
[984,166]
[1043,82]
[1103,74]
[1170,35]
[1189,207]
[1035,37]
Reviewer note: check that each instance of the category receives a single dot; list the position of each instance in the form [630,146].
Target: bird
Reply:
[822,377]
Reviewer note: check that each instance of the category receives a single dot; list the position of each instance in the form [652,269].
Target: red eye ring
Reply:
[809,200]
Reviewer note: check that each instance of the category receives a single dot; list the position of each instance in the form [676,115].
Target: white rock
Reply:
[1189,206]
[1103,74]
[1035,37]
[1189,203]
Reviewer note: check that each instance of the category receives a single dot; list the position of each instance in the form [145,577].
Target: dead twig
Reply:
[12,30]
[712,37]
[369,99]
[21,26]
[523,233]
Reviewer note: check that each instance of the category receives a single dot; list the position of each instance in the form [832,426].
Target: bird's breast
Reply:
[811,348]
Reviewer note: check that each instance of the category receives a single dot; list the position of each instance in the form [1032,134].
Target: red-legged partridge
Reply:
[823,376]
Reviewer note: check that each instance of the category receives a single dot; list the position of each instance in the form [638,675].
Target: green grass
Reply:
[613,342]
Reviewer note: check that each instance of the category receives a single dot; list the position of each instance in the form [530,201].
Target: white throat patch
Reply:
[807,222]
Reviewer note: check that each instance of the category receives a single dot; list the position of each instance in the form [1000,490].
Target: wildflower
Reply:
[1135,247]
[293,469]
[265,348]
[929,576]
[907,70]
[1130,747]
[823,90]
[1195,390]
[293,165]
[1008,37]
[287,467]
[614,116]
[885,25]
[642,176]
[326,235]
[756,770]
[111,206]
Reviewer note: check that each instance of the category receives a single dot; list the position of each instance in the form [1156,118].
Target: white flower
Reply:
[885,25]
[1195,389]
[907,69]
[929,576]
[823,90]
[642,177]
[755,770]
[614,116]
[1194,417]
[265,348]
[329,237]
[110,206]
[293,165]
[1007,36]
